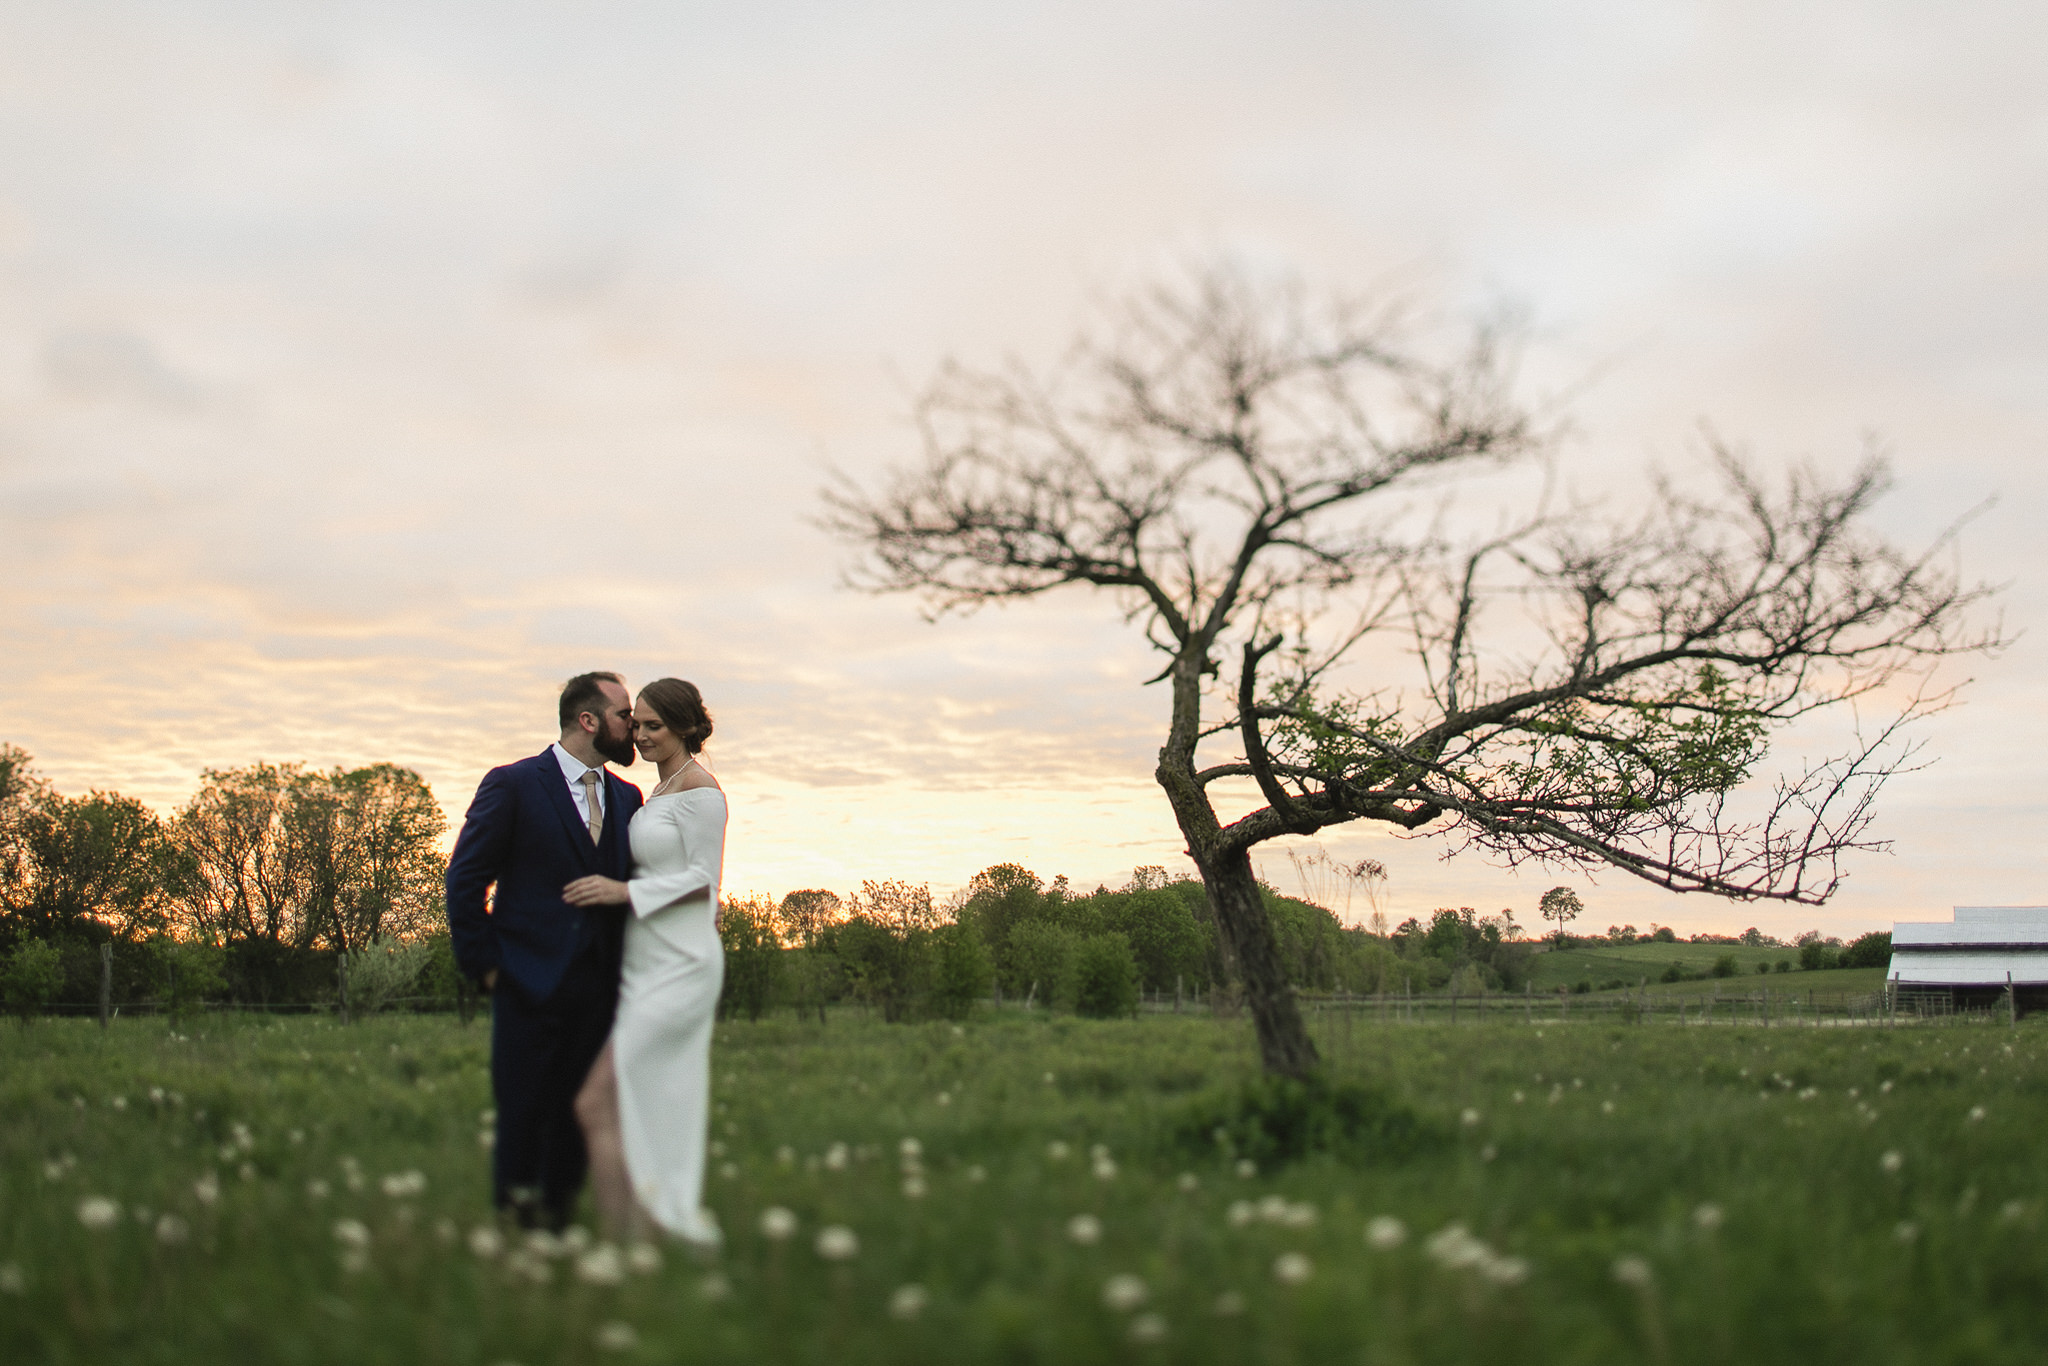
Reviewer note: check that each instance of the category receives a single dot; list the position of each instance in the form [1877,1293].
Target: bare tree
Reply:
[1238,465]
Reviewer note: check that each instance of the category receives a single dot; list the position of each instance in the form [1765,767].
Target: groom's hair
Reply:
[582,694]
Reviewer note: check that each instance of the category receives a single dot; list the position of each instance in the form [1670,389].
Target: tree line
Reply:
[250,892]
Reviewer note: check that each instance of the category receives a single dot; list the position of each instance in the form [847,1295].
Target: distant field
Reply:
[1603,963]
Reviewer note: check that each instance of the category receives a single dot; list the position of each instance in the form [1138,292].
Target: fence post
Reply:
[1176,993]
[341,980]
[1529,1000]
[2012,1003]
[107,981]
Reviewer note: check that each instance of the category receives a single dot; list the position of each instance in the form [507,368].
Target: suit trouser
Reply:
[541,1051]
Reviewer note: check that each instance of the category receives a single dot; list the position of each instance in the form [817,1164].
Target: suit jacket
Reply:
[522,833]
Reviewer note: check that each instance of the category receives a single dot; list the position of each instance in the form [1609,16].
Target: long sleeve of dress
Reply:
[699,817]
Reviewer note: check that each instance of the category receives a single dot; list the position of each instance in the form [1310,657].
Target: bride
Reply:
[646,1104]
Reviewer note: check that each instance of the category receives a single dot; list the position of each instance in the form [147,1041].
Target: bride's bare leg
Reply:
[597,1110]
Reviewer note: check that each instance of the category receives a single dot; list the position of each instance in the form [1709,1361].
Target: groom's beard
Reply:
[617,748]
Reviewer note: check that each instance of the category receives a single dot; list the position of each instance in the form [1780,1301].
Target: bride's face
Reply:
[655,741]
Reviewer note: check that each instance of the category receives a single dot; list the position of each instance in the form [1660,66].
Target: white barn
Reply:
[1972,959]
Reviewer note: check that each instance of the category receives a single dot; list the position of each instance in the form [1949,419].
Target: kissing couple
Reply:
[599,949]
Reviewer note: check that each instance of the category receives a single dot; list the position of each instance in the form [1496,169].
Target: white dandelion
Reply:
[1707,1217]
[485,1241]
[172,1231]
[617,1337]
[1292,1268]
[1246,1169]
[207,1189]
[643,1259]
[1187,1182]
[1386,1233]
[1229,1304]
[714,1288]
[1147,1329]
[1124,1292]
[12,1281]
[907,1302]
[778,1224]
[97,1212]
[1084,1229]
[1634,1272]
[601,1265]
[1892,1160]
[837,1243]
[1468,1117]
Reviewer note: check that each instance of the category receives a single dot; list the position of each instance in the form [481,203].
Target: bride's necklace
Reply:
[673,776]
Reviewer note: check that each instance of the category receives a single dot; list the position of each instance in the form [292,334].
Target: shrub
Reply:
[192,974]
[1105,977]
[1873,950]
[753,957]
[962,970]
[1273,1120]
[1784,965]
[1675,972]
[1040,957]
[1725,966]
[1816,956]
[1762,968]
[1581,987]
[30,977]
[383,970]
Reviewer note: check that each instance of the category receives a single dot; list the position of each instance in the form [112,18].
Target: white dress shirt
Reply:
[573,770]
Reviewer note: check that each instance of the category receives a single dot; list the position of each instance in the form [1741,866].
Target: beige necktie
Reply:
[590,805]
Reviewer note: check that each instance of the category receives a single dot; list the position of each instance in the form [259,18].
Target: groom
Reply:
[552,969]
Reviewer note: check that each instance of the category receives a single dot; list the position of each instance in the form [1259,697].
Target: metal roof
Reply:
[2018,934]
[2001,914]
[1968,969]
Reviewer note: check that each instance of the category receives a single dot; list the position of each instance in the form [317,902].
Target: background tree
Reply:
[1562,905]
[1231,462]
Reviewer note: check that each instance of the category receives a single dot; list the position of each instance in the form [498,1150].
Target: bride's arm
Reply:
[701,828]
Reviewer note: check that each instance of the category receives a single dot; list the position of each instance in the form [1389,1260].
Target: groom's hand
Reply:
[596,891]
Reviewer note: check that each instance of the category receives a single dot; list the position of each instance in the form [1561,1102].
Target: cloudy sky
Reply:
[367,369]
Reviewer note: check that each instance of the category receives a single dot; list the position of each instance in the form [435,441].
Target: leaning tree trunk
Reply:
[1284,1044]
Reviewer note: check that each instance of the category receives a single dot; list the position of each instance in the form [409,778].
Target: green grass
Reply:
[1587,1146]
[1599,963]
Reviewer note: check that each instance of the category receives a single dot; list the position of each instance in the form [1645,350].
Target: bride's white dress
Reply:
[668,994]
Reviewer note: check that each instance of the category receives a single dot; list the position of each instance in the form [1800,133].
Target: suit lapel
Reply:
[617,819]
[549,775]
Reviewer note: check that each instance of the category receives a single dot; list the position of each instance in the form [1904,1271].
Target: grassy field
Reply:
[1630,963]
[296,1191]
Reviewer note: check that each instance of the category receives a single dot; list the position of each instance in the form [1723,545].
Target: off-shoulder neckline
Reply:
[684,792]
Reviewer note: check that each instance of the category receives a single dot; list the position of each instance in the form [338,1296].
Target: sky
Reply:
[366,370]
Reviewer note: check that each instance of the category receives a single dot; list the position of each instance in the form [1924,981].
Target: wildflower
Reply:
[1892,1160]
[1976,1113]
[778,1224]
[351,1233]
[1453,1246]
[1906,1231]
[913,1188]
[246,1171]
[1518,1097]
[53,1171]
[574,1239]
[1085,1229]
[244,1140]
[207,1188]
[728,1171]
[1124,1292]
[119,1102]
[2011,1211]
[1468,1117]
[400,1185]
[945,1098]
[1228,1304]
[1633,1271]
[1300,1214]
[1147,1328]
[96,1211]
[486,1241]
[1246,1169]
[835,1157]
[1048,1079]
[785,1156]
[171,1230]
[1707,1217]
[525,1262]
[1488,1153]
[717,1148]
[541,1243]
[714,1288]
[444,1232]
[12,1282]
[486,1140]
[1187,1182]
[1242,1212]
[1505,1270]
[1885,1088]
[617,1337]
[602,1265]
[977,1172]
[1292,1268]
[1105,1169]
[1606,1107]
[156,1095]
[1056,1150]
[296,1137]
[836,1243]
[1386,1233]
[908,1302]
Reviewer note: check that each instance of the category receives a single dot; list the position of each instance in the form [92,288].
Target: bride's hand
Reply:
[596,891]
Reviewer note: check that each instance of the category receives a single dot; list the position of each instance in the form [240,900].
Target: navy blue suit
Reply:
[557,965]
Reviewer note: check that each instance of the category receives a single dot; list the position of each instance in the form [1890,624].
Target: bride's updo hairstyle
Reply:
[681,708]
